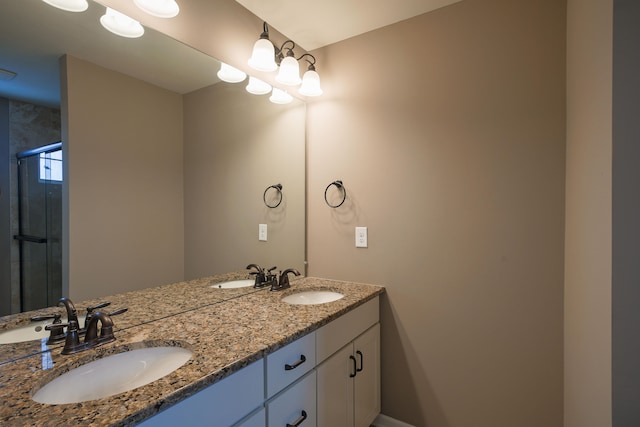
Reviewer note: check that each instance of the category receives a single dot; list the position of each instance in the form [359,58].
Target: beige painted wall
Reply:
[125,214]
[457,168]
[588,214]
[237,145]
[448,131]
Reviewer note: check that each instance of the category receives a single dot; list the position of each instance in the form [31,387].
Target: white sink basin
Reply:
[112,375]
[232,284]
[30,332]
[312,297]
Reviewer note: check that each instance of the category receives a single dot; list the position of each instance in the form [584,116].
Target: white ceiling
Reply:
[312,24]
[33,35]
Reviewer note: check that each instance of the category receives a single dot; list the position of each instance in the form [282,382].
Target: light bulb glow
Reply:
[120,24]
[289,73]
[263,56]
[159,8]
[230,74]
[257,86]
[279,96]
[69,5]
[310,84]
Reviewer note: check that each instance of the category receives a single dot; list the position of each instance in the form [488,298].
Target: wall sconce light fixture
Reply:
[120,24]
[159,8]
[267,57]
[69,5]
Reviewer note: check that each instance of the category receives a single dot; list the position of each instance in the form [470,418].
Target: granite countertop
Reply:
[151,304]
[225,336]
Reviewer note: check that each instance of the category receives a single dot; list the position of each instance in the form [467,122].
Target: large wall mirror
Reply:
[164,168]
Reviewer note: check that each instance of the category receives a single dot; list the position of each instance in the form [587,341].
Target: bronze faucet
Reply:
[263,278]
[73,344]
[283,283]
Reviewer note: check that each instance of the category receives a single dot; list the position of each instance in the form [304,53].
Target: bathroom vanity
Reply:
[256,361]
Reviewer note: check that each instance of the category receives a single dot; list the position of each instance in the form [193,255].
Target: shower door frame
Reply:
[21,237]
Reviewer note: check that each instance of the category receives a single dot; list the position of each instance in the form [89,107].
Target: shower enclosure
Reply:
[40,226]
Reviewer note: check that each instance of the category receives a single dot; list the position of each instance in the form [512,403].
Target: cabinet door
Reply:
[296,405]
[335,389]
[367,379]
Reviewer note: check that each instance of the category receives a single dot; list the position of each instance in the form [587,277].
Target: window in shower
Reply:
[51,166]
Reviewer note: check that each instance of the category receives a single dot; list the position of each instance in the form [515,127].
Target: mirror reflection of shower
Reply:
[40,226]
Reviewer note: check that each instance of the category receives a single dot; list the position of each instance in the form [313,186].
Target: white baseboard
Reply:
[385,421]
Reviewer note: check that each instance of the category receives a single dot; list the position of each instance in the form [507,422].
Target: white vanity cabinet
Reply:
[348,381]
[220,404]
[327,378]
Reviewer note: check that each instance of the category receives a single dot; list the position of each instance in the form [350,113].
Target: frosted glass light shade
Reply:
[279,96]
[310,84]
[289,73]
[230,74]
[257,86]
[120,24]
[69,5]
[159,8]
[263,56]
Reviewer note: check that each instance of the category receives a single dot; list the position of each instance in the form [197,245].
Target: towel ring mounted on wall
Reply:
[278,188]
[339,185]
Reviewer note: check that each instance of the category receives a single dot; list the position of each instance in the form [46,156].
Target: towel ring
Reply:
[278,188]
[338,184]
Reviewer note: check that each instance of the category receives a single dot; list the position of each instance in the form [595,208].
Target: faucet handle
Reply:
[118,311]
[56,318]
[90,311]
[97,306]
[56,328]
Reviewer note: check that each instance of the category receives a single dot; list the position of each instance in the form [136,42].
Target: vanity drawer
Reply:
[297,403]
[290,363]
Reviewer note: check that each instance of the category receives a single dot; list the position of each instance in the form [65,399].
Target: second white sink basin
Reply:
[112,375]
[232,284]
[312,297]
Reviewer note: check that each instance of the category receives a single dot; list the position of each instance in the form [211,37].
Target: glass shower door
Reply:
[40,226]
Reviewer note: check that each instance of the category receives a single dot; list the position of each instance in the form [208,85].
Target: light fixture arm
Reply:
[265,31]
[312,65]
[279,51]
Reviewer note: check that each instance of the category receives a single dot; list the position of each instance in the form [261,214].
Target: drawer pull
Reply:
[299,420]
[355,367]
[288,367]
[359,353]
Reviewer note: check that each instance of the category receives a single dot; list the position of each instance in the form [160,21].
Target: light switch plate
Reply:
[361,237]
[262,232]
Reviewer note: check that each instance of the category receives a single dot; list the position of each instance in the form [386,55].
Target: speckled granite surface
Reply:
[224,335]
[145,306]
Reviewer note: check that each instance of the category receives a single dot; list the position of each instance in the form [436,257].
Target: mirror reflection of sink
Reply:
[32,331]
[232,284]
[112,374]
[312,297]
